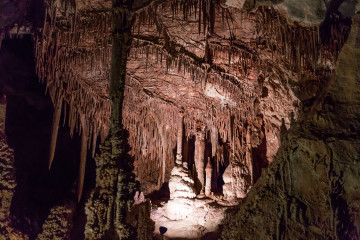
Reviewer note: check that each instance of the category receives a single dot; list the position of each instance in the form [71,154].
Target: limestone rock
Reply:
[236,182]
[180,184]
[7,189]
[310,191]
[58,224]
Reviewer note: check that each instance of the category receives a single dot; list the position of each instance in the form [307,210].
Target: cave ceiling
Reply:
[229,70]
[215,82]
[237,72]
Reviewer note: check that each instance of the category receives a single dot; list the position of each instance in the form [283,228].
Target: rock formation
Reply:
[112,198]
[208,174]
[310,191]
[223,79]
[7,186]
[58,224]
[7,181]
[210,97]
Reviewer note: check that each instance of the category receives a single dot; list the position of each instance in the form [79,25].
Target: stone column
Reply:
[179,140]
[208,172]
[199,158]
[2,115]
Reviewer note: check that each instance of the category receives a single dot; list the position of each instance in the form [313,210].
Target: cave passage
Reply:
[28,129]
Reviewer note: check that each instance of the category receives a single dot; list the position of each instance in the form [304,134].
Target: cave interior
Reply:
[179,119]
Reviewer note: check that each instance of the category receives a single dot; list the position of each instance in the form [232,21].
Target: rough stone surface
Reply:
[139,218]
[238,77]
[221,76]
[186,215]
[7,189]
[7,185]
[58,224]
[112,198]
[180,183]
[310,191]
[196,218]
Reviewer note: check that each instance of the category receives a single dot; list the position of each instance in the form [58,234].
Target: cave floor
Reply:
[186,218]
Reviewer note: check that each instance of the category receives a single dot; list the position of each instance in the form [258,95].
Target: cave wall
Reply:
[310,191]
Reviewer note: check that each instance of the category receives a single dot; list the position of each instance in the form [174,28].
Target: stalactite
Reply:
[55,128]
[214,140]
[84,140]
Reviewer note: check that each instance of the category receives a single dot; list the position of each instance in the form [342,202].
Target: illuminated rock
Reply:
[179,140]
[179,208]
[208,172]
[200,159]
[180,184]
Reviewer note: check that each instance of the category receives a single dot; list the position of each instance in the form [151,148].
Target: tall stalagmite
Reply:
[200,160]
[112,198]
[179,140]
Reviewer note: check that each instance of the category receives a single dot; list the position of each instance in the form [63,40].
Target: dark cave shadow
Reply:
[28,128]
[161,195]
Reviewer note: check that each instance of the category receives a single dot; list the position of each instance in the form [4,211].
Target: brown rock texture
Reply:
[235,75]
[310,191]
[139,218]
[7,175]
[7,189]
[7,186]
[238,79]
[113,193]
[58,224]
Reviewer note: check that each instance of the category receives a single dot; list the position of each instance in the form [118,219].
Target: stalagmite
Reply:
[179,140]
[55,128]
[199,158]
[84,139]
[208,171]
[214,140]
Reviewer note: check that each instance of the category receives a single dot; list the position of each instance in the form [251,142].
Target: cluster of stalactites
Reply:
[71,54]
[147,50]
[225,127]
[202,10]
[63,64]
[200,73]
[153,137]
[301,46]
